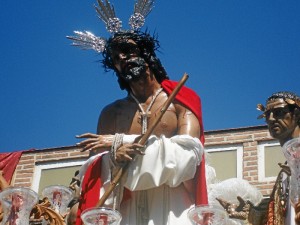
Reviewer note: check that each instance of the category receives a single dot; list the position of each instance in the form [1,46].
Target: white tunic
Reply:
[160,182]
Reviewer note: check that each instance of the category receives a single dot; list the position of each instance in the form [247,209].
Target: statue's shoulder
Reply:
[119,104]
[110,113]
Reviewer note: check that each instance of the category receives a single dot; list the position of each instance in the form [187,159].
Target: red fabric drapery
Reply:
[191,100]
[90,188]
[8,164]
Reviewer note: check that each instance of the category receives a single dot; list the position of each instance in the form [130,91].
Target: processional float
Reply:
[21,206]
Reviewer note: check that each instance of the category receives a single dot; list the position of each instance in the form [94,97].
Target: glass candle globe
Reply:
[291,151]
[101,216]
[17,203]
[207,215]
[59,197]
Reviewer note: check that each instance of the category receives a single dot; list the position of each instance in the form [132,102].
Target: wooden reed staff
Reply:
[143,140]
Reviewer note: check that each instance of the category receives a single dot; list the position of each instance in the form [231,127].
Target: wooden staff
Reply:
[143,140]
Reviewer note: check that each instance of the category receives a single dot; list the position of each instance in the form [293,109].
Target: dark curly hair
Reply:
[147,45]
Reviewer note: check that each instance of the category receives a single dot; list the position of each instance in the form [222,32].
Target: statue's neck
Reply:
[294,134]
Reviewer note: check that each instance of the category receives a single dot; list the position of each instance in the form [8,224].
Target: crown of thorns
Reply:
[288,100]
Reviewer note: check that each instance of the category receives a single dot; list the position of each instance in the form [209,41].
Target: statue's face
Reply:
[127,60]
[281,121]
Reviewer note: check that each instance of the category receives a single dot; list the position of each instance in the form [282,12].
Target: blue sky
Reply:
[237,53]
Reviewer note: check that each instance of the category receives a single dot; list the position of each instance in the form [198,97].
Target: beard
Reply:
[137,70]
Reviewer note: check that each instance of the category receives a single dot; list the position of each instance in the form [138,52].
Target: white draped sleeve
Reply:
[169,161]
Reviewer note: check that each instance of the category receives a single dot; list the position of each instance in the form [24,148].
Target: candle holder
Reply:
[291,151]
[101,216]
[17,203]
[59,197]
[207,215]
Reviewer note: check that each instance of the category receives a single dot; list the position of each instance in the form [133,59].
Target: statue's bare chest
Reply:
[131,117]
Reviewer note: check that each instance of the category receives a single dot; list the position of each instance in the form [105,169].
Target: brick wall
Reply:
[23,176]
[249,137]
